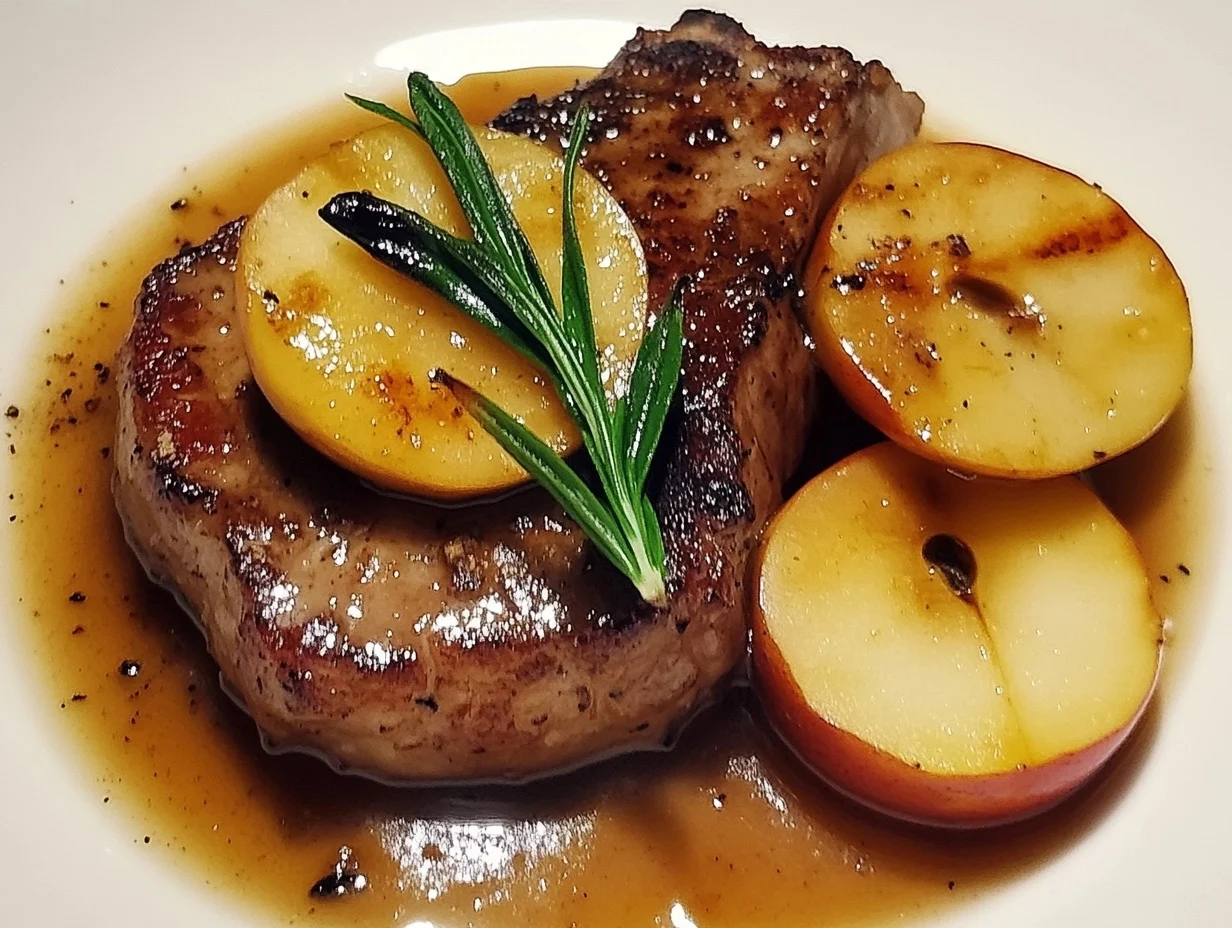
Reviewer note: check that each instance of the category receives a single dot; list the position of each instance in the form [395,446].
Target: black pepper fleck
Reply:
[77,597]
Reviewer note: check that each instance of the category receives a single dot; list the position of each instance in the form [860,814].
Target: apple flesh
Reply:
[995,314]
[952,652]
[343,347]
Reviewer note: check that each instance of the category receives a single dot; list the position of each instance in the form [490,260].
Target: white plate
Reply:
[103,102]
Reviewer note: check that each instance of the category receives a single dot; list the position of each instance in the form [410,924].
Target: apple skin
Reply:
[884,783]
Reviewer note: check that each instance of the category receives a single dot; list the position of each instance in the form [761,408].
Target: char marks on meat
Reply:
[417,643]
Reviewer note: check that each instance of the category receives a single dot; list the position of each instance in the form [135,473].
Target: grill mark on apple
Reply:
[406,400]
[1089,237]
[286,312]
[308,292]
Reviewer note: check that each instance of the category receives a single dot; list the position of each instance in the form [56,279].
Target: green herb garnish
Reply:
[495,278]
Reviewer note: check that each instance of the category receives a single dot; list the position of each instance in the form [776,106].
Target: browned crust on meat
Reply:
[413,642]
[779,122]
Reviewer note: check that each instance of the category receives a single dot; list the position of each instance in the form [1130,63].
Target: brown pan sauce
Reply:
[727,830]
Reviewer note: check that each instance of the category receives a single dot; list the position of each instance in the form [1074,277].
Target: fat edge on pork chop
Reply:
[414,643]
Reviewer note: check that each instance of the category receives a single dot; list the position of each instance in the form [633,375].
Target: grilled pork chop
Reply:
[418,643]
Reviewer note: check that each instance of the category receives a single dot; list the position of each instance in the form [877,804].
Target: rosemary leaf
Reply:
[497,232]
[380,109]
[644,408]
[389,233]
[496,278]
[546,466]
[654,535]
[574,290]
[482,201]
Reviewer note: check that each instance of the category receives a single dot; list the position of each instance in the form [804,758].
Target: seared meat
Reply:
[418,643]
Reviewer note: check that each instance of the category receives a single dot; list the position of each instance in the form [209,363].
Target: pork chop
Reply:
[416,643]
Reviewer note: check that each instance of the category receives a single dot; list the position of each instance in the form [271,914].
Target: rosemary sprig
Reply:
[495,278]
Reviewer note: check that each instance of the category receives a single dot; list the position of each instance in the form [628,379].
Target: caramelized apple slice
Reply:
[342,346]
[955,652]
[995,314]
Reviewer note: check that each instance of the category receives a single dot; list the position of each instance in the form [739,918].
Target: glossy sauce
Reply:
[727,830]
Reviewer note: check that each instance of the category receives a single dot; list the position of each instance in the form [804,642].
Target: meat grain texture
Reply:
[415,643]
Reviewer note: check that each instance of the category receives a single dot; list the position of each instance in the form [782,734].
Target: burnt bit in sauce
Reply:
[344,880]
[955,561]
[615,844]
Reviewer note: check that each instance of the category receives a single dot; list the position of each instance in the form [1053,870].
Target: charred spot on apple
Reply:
[846,283]
[955,561]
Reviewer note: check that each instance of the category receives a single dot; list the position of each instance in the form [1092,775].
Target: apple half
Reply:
[951,651]
[344,348]
[996,314]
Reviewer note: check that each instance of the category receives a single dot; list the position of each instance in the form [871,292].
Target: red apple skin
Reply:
[886,784]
